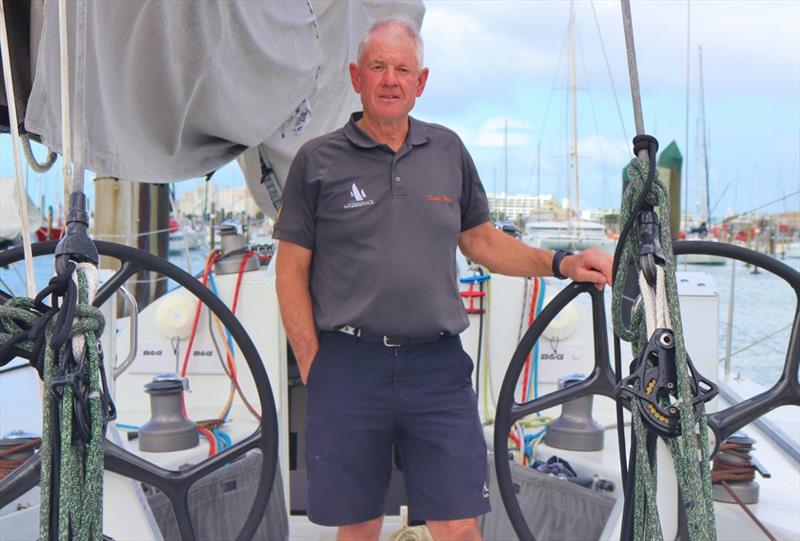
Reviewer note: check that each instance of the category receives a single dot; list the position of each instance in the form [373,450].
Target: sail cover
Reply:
[166,91]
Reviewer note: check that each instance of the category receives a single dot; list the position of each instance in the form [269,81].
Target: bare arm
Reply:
[504,254]
[292,270]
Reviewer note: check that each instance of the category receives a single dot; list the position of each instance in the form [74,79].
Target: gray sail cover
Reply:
[163,91]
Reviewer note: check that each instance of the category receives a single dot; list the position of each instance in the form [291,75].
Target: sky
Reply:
[493,62]
[497,62]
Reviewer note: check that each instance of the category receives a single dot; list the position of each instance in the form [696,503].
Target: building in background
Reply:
[522,206]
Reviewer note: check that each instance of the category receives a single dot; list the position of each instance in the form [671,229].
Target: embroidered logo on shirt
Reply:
[485,490]
[438,198]
[358,198]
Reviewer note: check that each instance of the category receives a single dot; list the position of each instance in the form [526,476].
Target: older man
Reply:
[366,277]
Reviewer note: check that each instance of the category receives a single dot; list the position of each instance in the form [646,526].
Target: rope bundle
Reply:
[660,309]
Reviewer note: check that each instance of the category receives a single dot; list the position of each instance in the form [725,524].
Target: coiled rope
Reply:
[74,411]
[12,457]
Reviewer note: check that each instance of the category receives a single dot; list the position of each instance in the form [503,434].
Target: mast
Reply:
[707,208]
[538,178]
[574,97]
[686,125]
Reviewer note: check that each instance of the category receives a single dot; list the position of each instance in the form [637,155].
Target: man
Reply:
[366,280]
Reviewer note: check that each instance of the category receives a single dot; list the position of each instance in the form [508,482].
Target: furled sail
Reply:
[166,91]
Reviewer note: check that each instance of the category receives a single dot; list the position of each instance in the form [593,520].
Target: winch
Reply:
[168,428]
[233,249]
[575,429]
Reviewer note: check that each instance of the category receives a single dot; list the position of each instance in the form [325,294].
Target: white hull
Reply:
[572,237]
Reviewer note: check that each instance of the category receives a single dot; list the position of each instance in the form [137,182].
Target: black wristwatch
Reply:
[557,258]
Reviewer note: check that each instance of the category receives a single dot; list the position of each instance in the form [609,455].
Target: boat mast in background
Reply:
[706,214]
[573,93]
[686,125]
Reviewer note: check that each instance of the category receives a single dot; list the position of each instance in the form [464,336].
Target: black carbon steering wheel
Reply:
[174,484]
[601,380]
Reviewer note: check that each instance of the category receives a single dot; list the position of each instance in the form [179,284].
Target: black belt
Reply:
[386,340]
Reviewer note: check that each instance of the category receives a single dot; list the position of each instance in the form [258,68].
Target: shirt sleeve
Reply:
[474,204]
[297,215]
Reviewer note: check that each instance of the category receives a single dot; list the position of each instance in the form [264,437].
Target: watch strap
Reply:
[557,258]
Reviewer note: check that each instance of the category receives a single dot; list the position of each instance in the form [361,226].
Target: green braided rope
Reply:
[691,463]
[15,311]
[646,522]
[81,466]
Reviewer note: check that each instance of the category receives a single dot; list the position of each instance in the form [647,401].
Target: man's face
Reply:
[387,76]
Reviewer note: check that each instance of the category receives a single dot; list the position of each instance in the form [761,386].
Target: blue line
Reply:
[218,440]
[539,304]
[123,426]
[225,437]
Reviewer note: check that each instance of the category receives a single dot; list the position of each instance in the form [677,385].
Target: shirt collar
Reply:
[417,133]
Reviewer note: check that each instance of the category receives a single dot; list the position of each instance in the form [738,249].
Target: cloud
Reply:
[493,133]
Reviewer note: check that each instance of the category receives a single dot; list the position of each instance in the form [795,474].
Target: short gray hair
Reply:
[406,25]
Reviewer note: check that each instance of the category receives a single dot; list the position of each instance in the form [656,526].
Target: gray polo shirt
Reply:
[383,227]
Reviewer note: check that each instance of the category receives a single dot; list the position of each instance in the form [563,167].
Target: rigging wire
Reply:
[610,77]
[735,216]
[606,188]
[765,338]
[549,101]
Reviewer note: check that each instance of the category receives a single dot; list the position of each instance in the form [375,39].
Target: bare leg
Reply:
[362,531]
[455,530]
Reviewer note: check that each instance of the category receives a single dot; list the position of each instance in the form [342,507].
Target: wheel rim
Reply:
[601,380]
[175,485]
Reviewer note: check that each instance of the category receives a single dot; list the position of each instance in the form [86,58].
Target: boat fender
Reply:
[174,315]
[564,324]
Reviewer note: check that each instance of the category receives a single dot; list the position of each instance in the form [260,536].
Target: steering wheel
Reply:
[174,484]
[601,380]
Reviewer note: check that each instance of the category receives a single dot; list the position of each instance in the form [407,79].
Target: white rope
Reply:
[91,274]
[21,193]
[662,308]
[656,309]
[649,301]
[66,139]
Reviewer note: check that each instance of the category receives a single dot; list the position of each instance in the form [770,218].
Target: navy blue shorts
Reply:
[365,398]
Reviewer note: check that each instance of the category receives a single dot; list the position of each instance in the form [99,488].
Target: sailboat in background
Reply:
[571,234]
[702,230]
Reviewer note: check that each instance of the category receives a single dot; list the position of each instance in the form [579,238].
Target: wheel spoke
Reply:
[724,423]
[128,269]
[21,480]
[175,485]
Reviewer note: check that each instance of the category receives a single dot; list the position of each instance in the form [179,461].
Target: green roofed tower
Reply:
[670,164]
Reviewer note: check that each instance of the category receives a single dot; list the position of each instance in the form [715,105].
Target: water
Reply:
[764,305]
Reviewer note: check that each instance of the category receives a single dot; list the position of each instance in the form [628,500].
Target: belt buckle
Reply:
[389,344]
